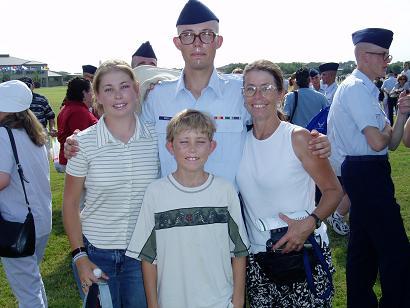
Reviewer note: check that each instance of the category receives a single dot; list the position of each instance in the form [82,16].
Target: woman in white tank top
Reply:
[277,175]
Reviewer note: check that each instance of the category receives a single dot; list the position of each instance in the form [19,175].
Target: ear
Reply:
[137,88]
[219,41]
[281,95]
[213,146]
[170,147]
[96,99]
[177,42]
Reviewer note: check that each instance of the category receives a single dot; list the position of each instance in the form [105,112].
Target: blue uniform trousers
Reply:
[378,242]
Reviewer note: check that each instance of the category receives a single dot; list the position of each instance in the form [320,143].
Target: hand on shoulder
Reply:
[71,145]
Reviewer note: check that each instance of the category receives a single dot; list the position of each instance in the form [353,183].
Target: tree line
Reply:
[345,68]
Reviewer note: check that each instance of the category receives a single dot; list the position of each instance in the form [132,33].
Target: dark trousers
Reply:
[391,105]
[378,240]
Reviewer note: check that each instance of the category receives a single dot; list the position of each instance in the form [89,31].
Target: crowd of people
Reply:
[212,191]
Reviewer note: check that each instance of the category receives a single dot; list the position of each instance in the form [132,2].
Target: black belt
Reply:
[367,158]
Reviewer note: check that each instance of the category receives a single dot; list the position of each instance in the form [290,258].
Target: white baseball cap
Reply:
[15,96]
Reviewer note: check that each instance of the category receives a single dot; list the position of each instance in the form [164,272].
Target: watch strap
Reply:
[318,221]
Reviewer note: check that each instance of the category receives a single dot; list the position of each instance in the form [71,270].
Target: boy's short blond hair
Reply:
[190,119]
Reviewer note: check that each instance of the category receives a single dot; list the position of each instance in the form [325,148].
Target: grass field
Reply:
[56,271]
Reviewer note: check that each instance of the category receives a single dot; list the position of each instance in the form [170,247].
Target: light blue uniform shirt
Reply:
[355,107]
[310,102]
[222,99]
[329,91]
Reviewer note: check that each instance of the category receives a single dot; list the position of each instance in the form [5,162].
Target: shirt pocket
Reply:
[161,126]
[228,137]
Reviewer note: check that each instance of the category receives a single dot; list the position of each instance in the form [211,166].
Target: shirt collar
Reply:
[214,83]
[331,86]
[104,136]
[367,82]
[77,103]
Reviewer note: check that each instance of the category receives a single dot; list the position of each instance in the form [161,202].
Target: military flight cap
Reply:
[195,12]
[330,66]
[313,72]
[90,69]
[378,36]
[146,51]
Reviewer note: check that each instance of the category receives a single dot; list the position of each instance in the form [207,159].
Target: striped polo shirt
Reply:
[116,176]
[41,108]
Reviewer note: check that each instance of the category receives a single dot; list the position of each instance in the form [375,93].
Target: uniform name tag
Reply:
[164,118]
[227,118]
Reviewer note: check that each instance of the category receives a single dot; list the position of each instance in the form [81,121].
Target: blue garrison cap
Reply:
[313,72]
[330,66]
[90,69]
[378,36]
[145,50]
[195,12]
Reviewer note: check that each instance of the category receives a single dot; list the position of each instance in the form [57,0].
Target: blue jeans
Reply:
[125,283]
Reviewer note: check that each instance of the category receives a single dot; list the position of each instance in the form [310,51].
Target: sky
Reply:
[68,34]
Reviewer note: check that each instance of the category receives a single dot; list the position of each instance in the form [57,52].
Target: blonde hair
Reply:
[27,120]
[108,67]
[189,119]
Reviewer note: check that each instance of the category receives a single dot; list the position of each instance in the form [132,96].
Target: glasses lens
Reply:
[266,89]
[249,91]
[187,38]
[206,37]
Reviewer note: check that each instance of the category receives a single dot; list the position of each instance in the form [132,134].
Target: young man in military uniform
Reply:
[328,73]
[360,135]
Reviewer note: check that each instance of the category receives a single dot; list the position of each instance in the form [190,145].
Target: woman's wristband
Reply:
[77,251]
[79,256]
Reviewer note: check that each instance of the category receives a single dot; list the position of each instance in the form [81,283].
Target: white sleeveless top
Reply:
[272,180]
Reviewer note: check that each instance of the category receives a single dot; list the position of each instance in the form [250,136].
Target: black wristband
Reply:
[77,251]
[318,221]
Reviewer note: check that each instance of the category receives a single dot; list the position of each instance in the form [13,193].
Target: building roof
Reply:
[54,74]
[6,60]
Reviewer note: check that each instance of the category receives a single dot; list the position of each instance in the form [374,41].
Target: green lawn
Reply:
[56,271]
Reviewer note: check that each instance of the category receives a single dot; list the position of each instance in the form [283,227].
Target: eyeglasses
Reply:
[386,57]
[265,90]
[188,37]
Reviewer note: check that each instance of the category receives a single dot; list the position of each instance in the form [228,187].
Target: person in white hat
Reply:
[23,274]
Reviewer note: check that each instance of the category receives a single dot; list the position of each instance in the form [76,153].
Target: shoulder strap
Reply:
[19,168]
[294,107]
[321,260]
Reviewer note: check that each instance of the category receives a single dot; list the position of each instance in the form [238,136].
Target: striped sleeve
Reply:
[78,165]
